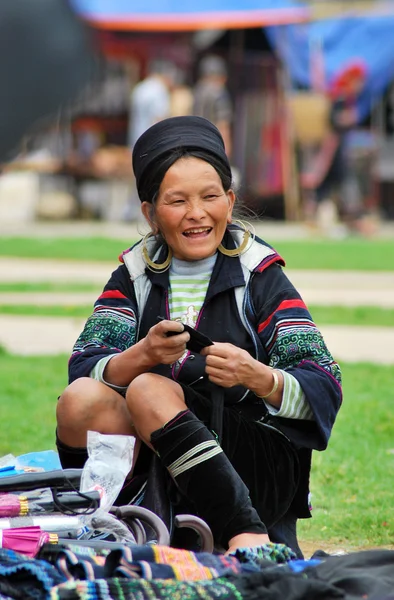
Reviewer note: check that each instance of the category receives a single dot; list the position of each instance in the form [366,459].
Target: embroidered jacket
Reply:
[250,303]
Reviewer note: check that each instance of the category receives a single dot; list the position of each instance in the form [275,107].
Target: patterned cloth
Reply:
[290,337]
[149,572]
[359,575]
[122,589]
[143,562]
[277,553]
[26,578]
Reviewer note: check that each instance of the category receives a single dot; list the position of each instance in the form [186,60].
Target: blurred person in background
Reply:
[150,102]
[211,98]
[181,96]
[150,99]
[328,177]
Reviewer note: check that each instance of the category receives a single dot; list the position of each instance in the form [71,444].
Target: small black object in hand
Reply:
[197,341]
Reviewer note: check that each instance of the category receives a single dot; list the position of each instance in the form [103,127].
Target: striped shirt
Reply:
[188,287]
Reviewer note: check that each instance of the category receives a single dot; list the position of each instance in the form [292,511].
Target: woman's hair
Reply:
[150,183]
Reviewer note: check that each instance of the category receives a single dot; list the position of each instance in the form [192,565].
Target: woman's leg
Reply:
[265,460]
[86,405]
[195,460]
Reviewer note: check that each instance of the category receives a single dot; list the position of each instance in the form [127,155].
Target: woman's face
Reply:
[192,209]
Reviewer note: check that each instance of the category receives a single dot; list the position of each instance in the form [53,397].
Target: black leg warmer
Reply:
[71,458]
[203,473]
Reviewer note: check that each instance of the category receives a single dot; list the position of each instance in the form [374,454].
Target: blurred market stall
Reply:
[324,58]
[90,139]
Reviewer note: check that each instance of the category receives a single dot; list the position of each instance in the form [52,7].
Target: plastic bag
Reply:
[110,460]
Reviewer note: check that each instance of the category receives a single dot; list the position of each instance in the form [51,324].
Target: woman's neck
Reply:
[186,267]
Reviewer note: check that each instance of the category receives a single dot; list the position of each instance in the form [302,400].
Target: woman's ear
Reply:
[231,200]
[148,211]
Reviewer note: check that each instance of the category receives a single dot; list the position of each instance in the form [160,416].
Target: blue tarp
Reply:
[167,15]
[342,41]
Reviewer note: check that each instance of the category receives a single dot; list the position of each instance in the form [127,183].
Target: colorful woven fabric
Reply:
[122,589]
[163,562]
[26,578]
[140,572]
[277,553]
[143,562]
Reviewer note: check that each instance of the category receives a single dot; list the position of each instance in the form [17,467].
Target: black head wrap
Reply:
[173,134]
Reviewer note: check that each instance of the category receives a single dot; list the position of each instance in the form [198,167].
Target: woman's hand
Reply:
[161,348]
[227,365]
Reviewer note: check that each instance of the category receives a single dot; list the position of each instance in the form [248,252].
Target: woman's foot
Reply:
[247,540]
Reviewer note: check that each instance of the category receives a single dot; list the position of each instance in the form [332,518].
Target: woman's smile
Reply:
[197,233]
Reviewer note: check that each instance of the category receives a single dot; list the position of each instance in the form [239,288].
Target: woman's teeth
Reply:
[197,231]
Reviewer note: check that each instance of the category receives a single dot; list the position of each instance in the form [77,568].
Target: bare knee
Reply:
[86,404]
[79,399]
[152,401]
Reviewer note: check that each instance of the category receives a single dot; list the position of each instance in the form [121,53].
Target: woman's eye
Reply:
[177,201]
[210,197]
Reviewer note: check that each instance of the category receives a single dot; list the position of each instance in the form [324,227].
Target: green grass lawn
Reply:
[340,255]
[352,315]
[46,311]
[352,482]
[322,315]
[351,253]
[47,286]
[29,389]
[89,249]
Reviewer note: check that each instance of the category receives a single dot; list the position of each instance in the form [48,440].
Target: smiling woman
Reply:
[232,426]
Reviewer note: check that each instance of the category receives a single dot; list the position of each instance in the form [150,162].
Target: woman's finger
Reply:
[223,382]
[180,339]
[217,349]
[216,362]
[217,372]
[164,327]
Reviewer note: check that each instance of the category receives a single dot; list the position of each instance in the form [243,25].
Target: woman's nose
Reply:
[195,210]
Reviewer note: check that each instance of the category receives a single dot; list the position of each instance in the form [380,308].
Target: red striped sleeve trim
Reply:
[282,306]
[269,260]
[112,294]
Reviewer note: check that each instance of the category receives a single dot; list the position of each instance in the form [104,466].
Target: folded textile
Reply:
[360,575]
[142,562]
[26,578]
[274,583]
[118,589]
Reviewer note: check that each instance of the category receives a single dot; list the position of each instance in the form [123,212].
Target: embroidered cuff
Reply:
[98,373]
[294,404]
